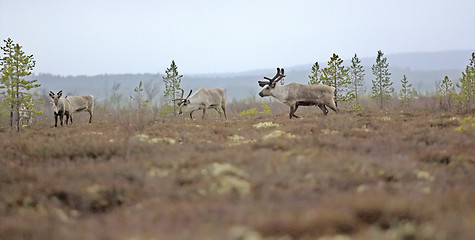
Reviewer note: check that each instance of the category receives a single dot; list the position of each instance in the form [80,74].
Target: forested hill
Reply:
[423,70]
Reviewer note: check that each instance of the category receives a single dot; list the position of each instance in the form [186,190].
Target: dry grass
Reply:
[372,175]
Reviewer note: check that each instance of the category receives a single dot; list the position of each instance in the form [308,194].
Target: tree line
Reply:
[348,83]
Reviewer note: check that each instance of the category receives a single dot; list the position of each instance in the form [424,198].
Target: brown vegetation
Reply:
[369,175]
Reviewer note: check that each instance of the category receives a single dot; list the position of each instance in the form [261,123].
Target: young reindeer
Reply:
[203,99]
[61,107]
[69,105]
[295,94]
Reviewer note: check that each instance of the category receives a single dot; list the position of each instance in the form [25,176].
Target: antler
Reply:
[191,90]
[278,76]
[281,76]
[181,98]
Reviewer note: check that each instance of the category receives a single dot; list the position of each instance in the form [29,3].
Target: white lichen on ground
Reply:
[238,140]
[225,178]
[278,134]
[329,131]
[423,175]
[265,125]
[145,138]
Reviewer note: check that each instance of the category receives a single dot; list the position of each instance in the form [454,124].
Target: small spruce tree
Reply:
[336,75]
[357,76]
[139,99]
[315,74]
[406,92]
[446,93]
[466,86]
[381,89]
[172,82]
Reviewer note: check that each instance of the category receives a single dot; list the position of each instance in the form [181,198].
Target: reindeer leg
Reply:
[204,113]
[191,114]
[296,107]
[90,116]
[61,119]
[224,110]
[333,107]
[292,110]
[323,108]
[220,114]
[55,120]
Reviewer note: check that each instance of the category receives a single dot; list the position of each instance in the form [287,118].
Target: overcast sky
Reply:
[90,37]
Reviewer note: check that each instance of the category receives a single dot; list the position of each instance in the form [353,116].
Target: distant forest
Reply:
[423,70]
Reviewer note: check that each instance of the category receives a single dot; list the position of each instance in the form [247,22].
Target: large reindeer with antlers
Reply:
[202,99]
[295,94]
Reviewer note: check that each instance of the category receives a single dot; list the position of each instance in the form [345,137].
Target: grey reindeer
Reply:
[69,105]
[295,94]
[203,99]
[61,107]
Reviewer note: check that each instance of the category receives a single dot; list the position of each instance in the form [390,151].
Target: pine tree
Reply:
[406,92]
[172,82]
[357,76]
[381,89]
[446,94]
[316,72]
[336,75]
[15,66]
[466,86]
[138,98]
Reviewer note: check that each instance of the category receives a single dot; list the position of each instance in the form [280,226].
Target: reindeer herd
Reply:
[293,95]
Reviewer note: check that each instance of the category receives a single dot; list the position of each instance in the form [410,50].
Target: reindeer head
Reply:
[183,103]
[55,99]
[271,83]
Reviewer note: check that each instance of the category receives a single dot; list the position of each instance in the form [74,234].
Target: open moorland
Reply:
[369,175]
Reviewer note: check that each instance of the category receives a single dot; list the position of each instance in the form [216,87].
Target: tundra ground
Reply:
[396,175]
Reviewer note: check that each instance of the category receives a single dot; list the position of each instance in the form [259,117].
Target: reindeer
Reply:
[202,99]
[80,104]
[61,107]
[295,94]
[69,105]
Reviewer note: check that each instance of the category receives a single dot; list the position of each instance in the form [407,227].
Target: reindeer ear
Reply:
[51,94]
[60,93]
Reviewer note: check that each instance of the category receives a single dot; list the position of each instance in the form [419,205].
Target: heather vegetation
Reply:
[398,174]
[394,168]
